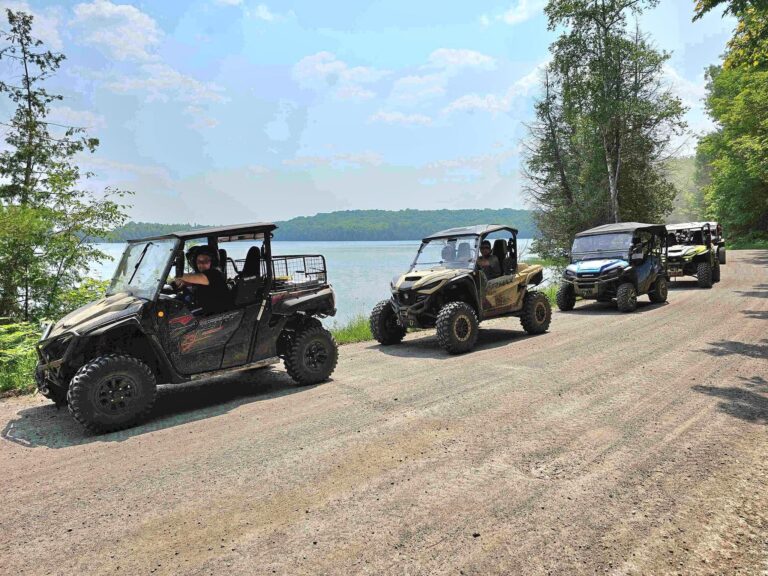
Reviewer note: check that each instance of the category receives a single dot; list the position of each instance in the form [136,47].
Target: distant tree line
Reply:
[355,225]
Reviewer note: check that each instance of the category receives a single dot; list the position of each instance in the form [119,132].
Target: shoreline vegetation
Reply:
[357,225]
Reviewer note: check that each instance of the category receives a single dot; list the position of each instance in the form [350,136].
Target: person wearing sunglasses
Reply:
[487,262]
[207,283]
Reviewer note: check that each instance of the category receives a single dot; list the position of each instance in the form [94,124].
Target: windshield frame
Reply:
[470,264]
[122,270]
[578,256]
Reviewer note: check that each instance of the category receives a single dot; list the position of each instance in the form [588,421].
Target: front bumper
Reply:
[592,286]
[52,354]
[409,306]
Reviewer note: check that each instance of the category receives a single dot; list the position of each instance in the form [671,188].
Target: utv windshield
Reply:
[446,253]
[602,246]
[142,268]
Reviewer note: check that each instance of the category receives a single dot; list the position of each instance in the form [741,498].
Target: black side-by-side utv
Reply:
[106,359]
[616,261]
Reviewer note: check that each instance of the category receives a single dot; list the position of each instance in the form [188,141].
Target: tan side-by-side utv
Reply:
[446,289]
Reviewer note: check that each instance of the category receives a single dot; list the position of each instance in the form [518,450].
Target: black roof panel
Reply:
[477,230]
[227,232]
[623,227]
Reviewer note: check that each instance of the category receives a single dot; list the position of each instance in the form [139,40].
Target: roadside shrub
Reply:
[18,357]
[356,330]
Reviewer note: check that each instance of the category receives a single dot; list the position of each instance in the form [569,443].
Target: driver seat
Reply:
[500,251]
[248,282]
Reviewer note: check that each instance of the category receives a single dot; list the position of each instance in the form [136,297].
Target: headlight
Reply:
[393,283]
[569,272]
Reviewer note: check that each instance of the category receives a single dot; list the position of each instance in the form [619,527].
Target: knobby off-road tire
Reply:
[626,297]
[566,297]
[659,291]
[384,325]
[111,393]
[457,327]
[311,356]
[721,254]
[716,272]
[704,275]
[537,313]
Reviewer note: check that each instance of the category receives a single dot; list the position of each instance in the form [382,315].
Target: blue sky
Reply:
[223,111]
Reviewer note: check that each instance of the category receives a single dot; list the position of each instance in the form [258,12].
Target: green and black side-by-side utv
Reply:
[616,262]
[106,359]
[696,249]
[445,289]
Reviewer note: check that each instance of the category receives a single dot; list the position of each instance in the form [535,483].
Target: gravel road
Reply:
[613,444]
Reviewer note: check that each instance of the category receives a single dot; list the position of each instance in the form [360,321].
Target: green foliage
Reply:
[46,222]
[356,330]
[734,7]
[360,224]
[597,149]
[733,160]
[689,201]
[17,357]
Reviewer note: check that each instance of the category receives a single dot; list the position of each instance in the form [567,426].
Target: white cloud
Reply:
[498,103]
[522,11]
[690,92]
[66,116]
[45,25]
[400,118]
[161,83]
[354,92]
[324,71]
[230,2]
[452,59]
[124,32]
[201,120]
[339,160]
[485,21]
[413,89]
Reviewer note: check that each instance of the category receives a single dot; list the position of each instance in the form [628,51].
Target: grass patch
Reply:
[749,243]
[547,262]
[550,292]
[18,357]
[356,330]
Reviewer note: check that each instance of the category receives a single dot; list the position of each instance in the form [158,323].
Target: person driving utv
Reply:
[488,262]
[210,287]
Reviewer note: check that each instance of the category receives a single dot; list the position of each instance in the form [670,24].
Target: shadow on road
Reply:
[759,259]
[730,348]
[757,314]
[685,285]
[749,403]
[176,405]
[428,346]
[761,291]
[609,308]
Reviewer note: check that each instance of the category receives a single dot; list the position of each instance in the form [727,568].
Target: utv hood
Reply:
[685,251]
[597,267]
[419,279]
[104,311]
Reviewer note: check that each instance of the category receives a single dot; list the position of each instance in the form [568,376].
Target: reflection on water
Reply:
[360,272]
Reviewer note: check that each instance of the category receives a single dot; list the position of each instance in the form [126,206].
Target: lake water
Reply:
[360,272]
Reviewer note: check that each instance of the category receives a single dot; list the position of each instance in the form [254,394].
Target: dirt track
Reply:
[619,444]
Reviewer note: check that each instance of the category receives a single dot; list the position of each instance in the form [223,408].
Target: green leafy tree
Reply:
[733,160]
[604,125]
[46,220]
